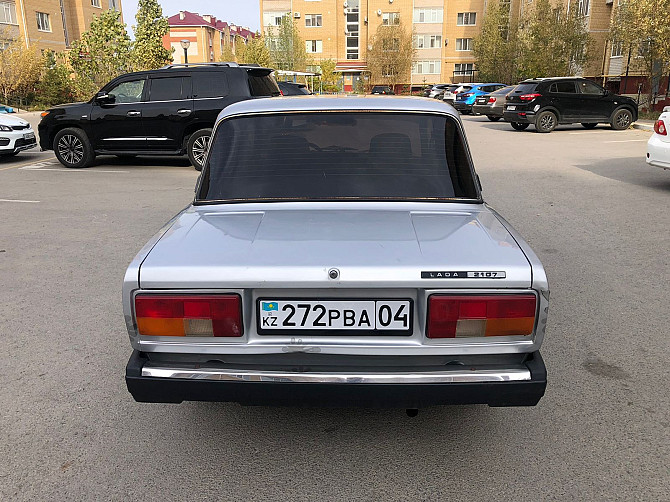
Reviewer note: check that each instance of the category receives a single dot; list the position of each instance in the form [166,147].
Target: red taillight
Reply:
[659,128]
[451,316]
[467,94]
[188,315]
[529,97]
[491,100]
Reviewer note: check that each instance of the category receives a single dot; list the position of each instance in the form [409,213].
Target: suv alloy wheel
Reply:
[197,146]
[621,119]
[546,121]
[72,148]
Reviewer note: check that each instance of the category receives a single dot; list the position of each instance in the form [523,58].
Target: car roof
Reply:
[370,103]
[195,67]
[547,79]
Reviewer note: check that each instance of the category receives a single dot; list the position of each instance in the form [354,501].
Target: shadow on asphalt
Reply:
[632,170]
[504,126]
[111,160]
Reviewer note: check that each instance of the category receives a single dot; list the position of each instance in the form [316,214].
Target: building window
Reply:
[114,5]
[428,41]
[273,18]
[389,18]
[353,17]
[7,13]
[392,45]
[463,44]
[96,3]
[584,7]
[463,69]
[617,49]
[426,67]
[428,15]
[466,19]
[313,20]
[312,46]
[43,21]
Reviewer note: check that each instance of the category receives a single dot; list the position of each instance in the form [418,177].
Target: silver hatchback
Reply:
[338,252]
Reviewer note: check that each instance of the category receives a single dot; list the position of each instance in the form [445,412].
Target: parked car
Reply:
[451,91]
[382,89]
[437,90]
[466,99]
[493,104]
[547,102]
[293,89]
[658,146]
[169,111]
[338,252]
[16,135]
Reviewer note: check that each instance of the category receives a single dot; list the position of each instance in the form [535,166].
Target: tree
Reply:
[254,52]
[148,52]
[287,48]
[227,55]
[330,81]
[497,46]
[55,86]
[20,70]
[554,42]
[390,59]
[102,53]
[643,27]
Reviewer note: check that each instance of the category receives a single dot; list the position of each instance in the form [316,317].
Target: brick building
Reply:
[208,36]
[50,24]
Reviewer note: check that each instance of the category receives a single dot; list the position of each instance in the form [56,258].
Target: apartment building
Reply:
[49,24]
[341,30]
[208,37]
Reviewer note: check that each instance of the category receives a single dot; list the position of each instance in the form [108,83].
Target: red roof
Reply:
[186,18]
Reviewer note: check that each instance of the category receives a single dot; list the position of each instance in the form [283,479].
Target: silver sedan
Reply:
[338,252]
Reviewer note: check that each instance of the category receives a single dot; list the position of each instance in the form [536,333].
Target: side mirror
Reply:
[102,98]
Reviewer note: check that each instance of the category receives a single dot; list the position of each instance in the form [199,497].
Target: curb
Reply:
[644,127]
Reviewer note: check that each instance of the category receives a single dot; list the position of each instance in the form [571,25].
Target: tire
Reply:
[621,119]
[494,119]
[519,126]
[197,146]
[589,125]
[73,149]
[546,121]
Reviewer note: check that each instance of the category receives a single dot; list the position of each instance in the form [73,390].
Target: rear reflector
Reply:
[451,316]
[188,315]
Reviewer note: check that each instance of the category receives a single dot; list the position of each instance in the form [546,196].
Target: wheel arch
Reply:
[192,128]
[65,125]
[625,106]
[552,109]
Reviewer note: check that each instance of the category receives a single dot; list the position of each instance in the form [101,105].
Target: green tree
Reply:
[643,27]
[330,81]
[554,41]
[390,59]
[148,51]
[497,48]
[20,70]
[102,53]
[254,52]
[287,48]
[227,54]
[56,85]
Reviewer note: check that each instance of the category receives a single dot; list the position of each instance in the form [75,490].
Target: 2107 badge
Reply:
[335,316]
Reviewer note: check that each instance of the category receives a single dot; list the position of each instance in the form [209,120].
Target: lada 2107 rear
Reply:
[338,252]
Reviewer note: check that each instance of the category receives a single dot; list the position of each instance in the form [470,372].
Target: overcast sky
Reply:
[239,12]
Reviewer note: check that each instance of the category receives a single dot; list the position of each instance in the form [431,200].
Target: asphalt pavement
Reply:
[591,208]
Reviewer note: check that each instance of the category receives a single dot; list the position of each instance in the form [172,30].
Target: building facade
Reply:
[208,37]
[49,24]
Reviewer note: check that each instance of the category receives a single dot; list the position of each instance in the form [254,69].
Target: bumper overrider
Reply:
[520,384]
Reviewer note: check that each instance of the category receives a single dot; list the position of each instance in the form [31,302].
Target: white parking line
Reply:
[71,170]
[17,200]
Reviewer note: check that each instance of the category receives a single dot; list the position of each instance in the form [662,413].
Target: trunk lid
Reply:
[295,246]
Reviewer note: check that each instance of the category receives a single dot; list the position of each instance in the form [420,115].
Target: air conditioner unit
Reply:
[346,5]
[296,15]
[379,12]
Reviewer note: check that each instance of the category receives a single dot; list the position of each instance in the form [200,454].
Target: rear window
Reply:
[263,85]
[337,156]
[524,88]
[504,90]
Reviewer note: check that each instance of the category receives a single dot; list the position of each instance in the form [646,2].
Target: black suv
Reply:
[169,111]
[547,102]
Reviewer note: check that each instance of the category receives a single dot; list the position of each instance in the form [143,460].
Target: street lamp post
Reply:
[185,45]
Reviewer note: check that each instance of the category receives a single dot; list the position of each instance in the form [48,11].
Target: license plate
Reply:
[29,135]
[352,317]
[481,101]
[511,107]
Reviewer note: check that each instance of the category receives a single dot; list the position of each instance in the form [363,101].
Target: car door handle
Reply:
[184,111]
[133,113]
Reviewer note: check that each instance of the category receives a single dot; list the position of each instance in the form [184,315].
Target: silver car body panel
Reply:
[285,250]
